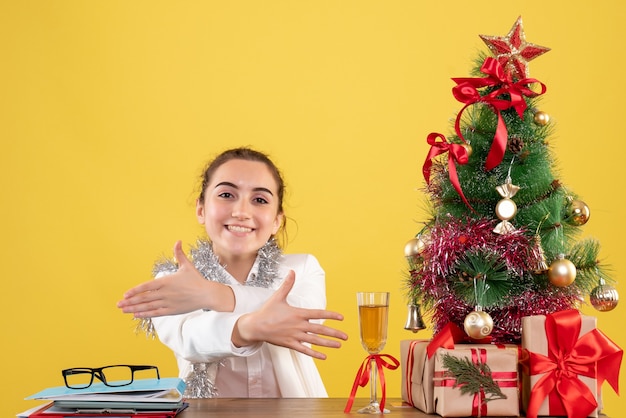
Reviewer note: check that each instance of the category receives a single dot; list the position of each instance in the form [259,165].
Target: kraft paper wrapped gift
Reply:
[417,375]
[451,402]
[584,350]
[417,370]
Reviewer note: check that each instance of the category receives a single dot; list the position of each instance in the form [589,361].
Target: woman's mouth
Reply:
[237,228]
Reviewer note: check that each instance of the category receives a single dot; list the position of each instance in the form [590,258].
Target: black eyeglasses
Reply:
[116,375]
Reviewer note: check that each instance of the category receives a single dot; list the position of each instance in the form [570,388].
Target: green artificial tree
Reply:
[502,241]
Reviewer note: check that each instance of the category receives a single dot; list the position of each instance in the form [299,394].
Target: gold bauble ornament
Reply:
[562,272]
[578,213]
[468,148]
[478,324]
[414,246]
[604,297]
[541,118]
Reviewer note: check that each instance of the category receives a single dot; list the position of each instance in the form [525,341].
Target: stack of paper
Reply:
[148,398]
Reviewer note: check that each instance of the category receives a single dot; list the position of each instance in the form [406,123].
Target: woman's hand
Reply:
[280,324]
[181,292]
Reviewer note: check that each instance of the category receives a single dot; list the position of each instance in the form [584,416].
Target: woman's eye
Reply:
[260,200]
[225,195]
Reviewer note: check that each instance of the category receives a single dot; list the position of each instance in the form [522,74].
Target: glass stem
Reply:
[373,382]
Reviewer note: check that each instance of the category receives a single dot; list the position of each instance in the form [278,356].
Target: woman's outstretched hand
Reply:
[281,324]
[184,291]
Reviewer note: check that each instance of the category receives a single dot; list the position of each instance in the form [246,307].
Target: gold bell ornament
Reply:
[541,266]
[414,321]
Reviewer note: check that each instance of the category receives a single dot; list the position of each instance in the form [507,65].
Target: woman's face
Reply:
[240,209]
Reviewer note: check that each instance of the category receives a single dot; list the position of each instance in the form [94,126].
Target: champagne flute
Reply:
[373,313]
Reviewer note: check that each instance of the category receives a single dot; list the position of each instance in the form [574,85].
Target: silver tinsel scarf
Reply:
[198,381]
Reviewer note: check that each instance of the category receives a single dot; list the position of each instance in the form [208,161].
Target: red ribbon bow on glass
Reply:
[593,355]
[466,91]
[456,154]
[363,377]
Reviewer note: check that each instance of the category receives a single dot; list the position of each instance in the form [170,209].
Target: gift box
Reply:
[417,375]
[566,360]
[476,381]
[418,365]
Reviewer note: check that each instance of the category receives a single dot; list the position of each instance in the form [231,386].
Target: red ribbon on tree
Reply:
[363,377]
[456,154]
[466,91]
[593,355]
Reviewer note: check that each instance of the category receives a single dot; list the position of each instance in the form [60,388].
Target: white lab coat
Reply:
[205,337]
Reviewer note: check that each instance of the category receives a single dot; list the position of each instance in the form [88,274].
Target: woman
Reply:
[240,316]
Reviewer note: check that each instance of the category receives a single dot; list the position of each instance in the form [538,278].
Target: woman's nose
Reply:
[241,210]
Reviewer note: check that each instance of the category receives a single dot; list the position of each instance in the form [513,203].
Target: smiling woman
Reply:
[237,304]
[240,210]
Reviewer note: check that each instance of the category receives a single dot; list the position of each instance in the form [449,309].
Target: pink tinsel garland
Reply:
[452,238]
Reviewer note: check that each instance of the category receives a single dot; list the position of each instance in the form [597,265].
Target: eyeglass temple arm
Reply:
[137,368]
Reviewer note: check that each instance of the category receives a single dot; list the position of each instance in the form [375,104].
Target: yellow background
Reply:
[109,109]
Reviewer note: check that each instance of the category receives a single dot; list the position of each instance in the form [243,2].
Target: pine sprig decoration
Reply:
[589,270]
[471,378]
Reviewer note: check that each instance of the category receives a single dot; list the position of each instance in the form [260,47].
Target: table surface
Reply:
[290,407]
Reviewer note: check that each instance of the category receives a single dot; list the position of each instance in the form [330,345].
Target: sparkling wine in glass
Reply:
[373,313]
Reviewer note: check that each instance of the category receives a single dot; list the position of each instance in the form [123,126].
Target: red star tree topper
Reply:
[512,50]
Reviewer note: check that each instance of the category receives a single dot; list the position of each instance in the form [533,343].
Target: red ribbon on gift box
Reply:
[466,91]
[593,355]
[448,336]
[502,379]
[363,377]
[408,378]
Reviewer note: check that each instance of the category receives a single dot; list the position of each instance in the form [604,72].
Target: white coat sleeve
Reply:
[200,336]
[309,289]
[203,336]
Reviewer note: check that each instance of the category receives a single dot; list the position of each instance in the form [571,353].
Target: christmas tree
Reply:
[502,241]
